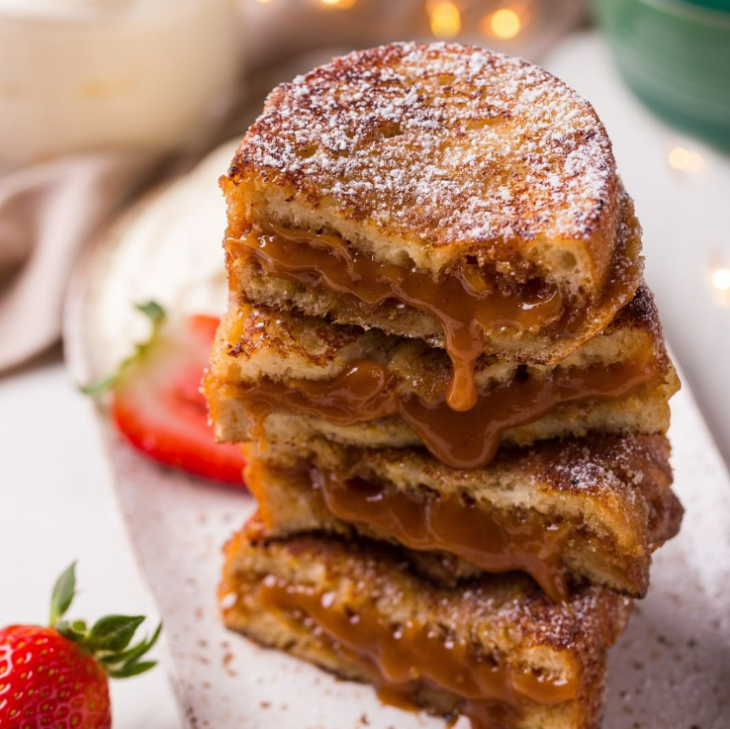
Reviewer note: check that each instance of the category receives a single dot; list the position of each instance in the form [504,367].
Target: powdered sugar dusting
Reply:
[459,144]
[605,464]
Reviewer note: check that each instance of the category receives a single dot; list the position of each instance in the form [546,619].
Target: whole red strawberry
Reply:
[57,676]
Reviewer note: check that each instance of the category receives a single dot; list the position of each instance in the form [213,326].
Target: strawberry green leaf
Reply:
[112,633]
[156,314]
[63,594]
[133,670]
[133,654]
[152,310]
[100,386]
[108,640]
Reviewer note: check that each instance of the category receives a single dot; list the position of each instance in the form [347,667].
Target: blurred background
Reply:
[101,100]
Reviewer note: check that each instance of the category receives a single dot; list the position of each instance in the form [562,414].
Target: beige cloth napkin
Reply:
[47,214]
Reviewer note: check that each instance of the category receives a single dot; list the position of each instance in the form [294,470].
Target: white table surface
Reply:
[58,503]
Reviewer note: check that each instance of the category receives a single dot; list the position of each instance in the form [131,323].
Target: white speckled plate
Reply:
[671,669]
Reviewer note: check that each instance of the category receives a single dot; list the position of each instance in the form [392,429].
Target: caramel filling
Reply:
[493,541]
[465,303]
[403,657]
[366,391]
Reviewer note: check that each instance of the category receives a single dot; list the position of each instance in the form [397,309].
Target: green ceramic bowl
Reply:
[675,55]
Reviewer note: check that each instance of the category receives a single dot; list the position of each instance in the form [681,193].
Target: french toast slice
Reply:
[496,650]
[279,373]
[565,512]
[421,189]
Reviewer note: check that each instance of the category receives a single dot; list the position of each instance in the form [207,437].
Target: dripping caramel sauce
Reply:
[399,659]
[465,303]
[490,540]
[365,391]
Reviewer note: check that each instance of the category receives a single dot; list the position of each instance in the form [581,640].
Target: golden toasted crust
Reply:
[435,152]
[256,343]
[500,616]
[612,495]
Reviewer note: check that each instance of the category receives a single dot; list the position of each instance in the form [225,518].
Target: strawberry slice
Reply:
[157,404]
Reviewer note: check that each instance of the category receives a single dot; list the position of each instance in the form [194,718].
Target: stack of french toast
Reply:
[450,382]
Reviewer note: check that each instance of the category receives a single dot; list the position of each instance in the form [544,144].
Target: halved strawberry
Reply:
[157,404]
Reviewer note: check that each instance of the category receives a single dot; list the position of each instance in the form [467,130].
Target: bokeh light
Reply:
[445,20]
[680,158]
[685,160]
[505,23]
[721,279]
